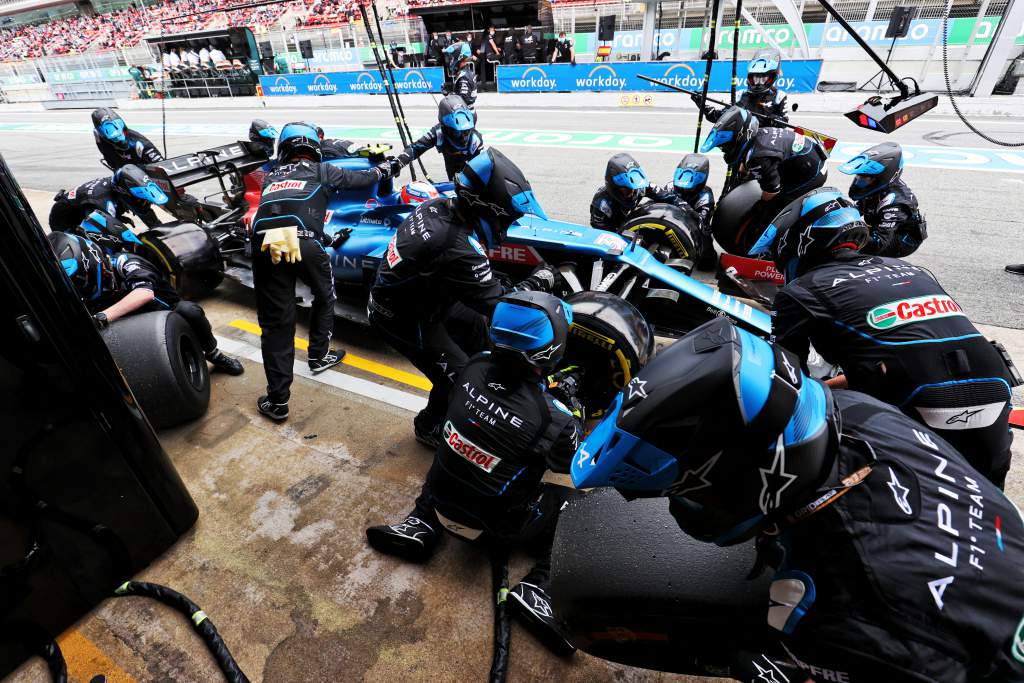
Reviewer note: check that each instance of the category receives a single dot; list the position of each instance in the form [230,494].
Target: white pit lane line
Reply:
[339,380]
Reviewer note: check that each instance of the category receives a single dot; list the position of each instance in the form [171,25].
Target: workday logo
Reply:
[365,82]
[282,86]
[685,78]
[597,79]
[322,85]
[534,78]
[414,80]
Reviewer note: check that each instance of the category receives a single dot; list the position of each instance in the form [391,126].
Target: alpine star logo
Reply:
[496,386]
[695,479]
[545,354]
[899,493]
[905,311]
[963,416]
[637,387]
[790,370]
[285,185]
[775,479]
[468,450]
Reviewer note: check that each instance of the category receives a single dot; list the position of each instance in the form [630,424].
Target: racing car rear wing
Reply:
[209,164]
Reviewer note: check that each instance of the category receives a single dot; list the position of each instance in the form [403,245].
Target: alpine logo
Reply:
[904,311]
[285,185]
[468,450]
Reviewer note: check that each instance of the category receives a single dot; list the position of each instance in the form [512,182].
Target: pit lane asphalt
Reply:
[278,558]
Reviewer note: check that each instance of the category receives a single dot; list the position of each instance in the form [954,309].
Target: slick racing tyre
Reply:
[736,223]
[187,254]
[631,587]
[670,233]
[163,363]
[611,341]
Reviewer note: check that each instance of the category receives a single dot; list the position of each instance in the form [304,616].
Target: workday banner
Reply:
[348,82]
[800,75]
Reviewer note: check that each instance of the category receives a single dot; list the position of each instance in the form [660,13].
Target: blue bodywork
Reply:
[372,214]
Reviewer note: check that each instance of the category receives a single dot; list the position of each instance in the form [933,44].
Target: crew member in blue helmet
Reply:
[503,429]
[892,328]
[126,284]
[119,144]
[455,136]
[463,72]
[625,187]
[895,560]
[761,96]
[288,245]
[690,187]
[889,207]
[129,190]
[436,266]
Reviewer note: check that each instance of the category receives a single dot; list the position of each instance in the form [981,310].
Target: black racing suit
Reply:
[137,150]
[336,148]
[455,156]
[770,103]
[913,576]
[509,49]
[787,162]
[465,84]
[296,194]
[70,207]
[435,270]
[133,272]
[608,214]
[897,226]
[898,336]
[529,43]
[502,431]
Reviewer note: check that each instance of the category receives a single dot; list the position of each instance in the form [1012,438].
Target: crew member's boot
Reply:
[330,359]
[225,363]
[531,604]
[411,539]
[427,430]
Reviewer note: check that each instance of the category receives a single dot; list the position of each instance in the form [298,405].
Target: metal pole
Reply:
[735,49]
[709,62]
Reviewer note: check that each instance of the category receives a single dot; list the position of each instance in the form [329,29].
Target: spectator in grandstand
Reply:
[191,57]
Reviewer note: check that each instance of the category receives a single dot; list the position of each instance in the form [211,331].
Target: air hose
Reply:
[949,87]
[502,622]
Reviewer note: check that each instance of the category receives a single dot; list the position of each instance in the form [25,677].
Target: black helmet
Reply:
[492,189]
[132,181]
[84,262]
[691,174]
[726,426]
[810,229]
[263,134]
[875,168]
[456,119]
[625,180]
[108,232]
[532,326]
[298,138]
[762,71]
[735,128]
[109,126]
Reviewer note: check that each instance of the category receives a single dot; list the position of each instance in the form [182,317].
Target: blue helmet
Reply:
[762,71]
[809,230]
[875,169]
[532,326]
[84,263]
[722,423]
[624,180]
[299,138]
[457,120]
[108,232]
[458,52]
[109,126]
[493,191]
[691,174]
[733,132]
[263,134]
[132,181]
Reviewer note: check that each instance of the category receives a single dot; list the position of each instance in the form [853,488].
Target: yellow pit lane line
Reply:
[85,660]
[365,364]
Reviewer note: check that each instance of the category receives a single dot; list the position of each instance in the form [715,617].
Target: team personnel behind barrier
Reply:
[530,45]
[562,51]
[454,136]
[119,144]
[761,95]
[113,288]
[128,190]
[502,431]
[889,207]
[289,245]
[436,268]
[891,327]
[895,560]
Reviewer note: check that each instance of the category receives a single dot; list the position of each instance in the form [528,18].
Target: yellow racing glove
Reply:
[282,243]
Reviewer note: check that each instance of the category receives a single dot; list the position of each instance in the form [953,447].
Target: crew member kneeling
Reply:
[289,227]
[891,327]
[125,284]
[502,431]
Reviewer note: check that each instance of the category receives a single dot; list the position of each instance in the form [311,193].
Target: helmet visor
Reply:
[760,80]
[269,132]
[459,120]
[633,179]
[526,203]
[150,192]
[688,179]
[112,130]
[861,165]
[716,138]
